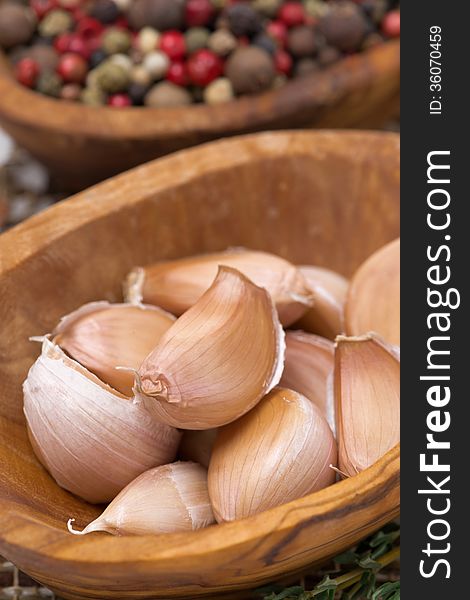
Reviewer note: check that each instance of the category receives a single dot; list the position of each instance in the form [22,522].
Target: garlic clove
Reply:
[218,360]
[73,418]
[166,499]
[326,316]
[197,446]
[308,369]
[279,451]
[102,336]
[178,284]
[373,301]
[367,392]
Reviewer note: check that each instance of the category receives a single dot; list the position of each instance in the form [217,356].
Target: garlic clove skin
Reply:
[102,336]
[367,392]
[166,499]
[308,369]
[219,358]
[326,316]
[197,446]
[178,284]
[279,451]
[74,418]
[373,301]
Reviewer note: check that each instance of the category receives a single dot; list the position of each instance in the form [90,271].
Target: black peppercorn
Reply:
[328,55]
[105,11]
[159,14]
[262,40]
[242,19]
[302,41]
[97,57]
[250,70]
[137,93]
[344,26]
[306,66]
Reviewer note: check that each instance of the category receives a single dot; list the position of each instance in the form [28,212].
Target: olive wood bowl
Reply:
[82,145]
[326,198]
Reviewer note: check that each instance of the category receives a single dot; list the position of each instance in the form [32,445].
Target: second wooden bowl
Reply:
[325,198]
[82,145]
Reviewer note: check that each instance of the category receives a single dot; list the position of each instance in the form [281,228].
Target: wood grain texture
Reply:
[327,198]
[82,144]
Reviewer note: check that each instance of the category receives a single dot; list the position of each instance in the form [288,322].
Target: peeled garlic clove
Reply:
[308,369]
[373,302]
[102,336]
[166,499]
[90,438]
[197,446]
[178,284]
[326,316]
[218,360]
[367,391]
[279,451]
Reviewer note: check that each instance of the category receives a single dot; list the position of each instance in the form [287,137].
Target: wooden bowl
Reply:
[328,198]
[82,145]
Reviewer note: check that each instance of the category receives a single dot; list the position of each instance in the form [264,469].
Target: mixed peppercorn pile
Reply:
[164,53]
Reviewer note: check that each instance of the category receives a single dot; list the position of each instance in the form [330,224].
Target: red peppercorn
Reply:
[173,44]
[204,66]
[283,62]
[178,73]
[42,7]
[119,100]
[391,24]
[199,12]
[278,31]
[292,13]
[72,68]
[62,42]
[27,71]
[88,27]
[79,46]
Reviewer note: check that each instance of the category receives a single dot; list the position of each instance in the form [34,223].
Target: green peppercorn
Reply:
[116,41]
[93,96]
[269,8]
[112,77]
[196,38]
[49,83]
[56,22]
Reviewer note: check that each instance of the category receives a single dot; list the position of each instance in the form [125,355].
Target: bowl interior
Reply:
[321,198]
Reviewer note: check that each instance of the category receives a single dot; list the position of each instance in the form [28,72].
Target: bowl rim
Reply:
[19,104]
[21,536]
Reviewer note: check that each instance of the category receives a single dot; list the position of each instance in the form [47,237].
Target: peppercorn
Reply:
[119,100]
[196,38]
[173,44]
[116,41]
[374,9]
[156,64]
[251,70]
[72,68]
[167,94]
[218,91]
[178,73]
[97,57]
[391,24]
[198,12]
[105,11]
[204,66]
[45,56]
[79,45]
[344,26]
[306,66]
[89,27]
[316,8]
[17,24]
[55,22]
[222,42]
[27,72]
[71,92]
[302,41]
[49,83]
[92,96]
[140,76]
[283,62]
[112,78]
[278,31]
[269,8]
[242,20]
[292,14]
[328,55]
[265,41]
[147,40]
[159,14]
[42,7]
[137,93]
